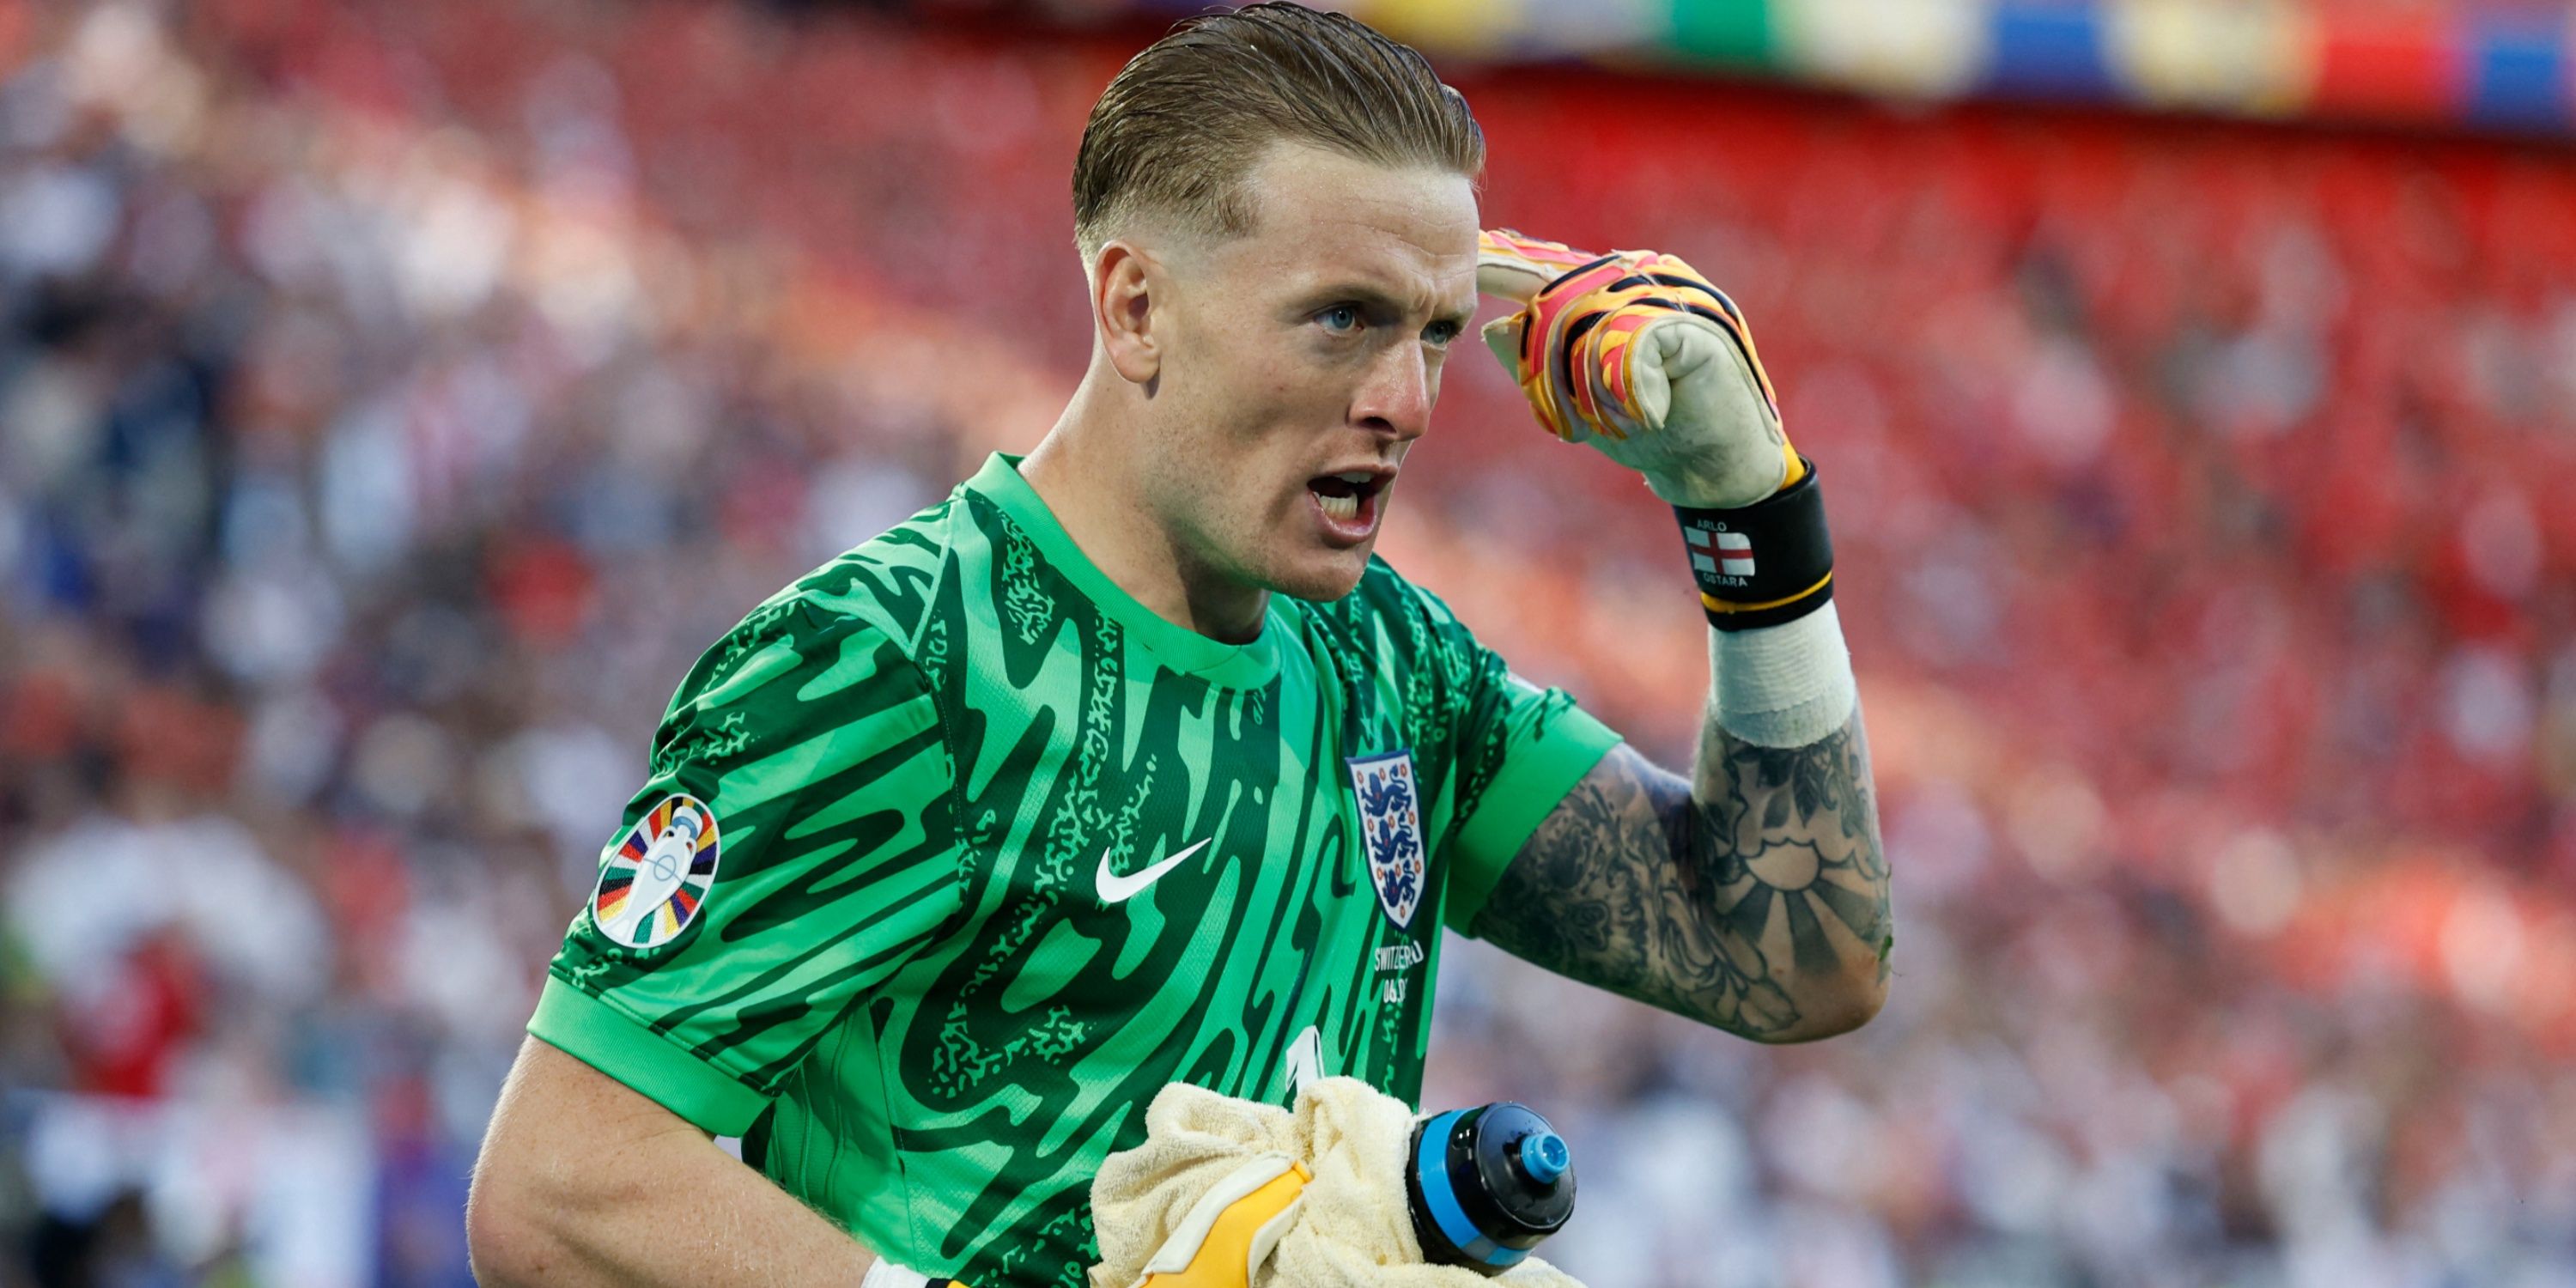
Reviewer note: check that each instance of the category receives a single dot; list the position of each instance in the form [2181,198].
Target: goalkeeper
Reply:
[1128,764]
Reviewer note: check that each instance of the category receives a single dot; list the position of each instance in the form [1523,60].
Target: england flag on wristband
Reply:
[1728,554]
[1735,554]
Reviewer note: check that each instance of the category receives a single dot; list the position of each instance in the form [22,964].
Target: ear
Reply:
[1123,282]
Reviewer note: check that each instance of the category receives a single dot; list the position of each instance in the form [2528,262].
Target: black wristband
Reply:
[1765,563]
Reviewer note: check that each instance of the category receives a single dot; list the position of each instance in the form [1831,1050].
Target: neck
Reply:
[1088,473]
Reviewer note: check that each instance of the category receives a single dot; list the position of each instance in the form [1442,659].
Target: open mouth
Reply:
[1349,500]
[1342,495]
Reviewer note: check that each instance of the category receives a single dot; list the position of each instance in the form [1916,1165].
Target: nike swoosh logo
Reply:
[1117,889]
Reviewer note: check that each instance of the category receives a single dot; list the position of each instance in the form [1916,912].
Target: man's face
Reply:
[1301,362]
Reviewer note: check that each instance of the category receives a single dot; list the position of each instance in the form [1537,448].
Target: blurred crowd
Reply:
[393,399]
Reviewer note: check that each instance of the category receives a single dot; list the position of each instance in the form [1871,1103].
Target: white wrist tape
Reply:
[886,1274]
[1786,685]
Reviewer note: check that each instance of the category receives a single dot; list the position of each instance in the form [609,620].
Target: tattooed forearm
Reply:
[1760,907]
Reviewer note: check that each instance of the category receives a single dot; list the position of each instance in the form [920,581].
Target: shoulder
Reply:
[847,629]
[890,581]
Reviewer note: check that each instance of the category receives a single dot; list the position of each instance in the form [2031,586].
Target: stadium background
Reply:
[393,398]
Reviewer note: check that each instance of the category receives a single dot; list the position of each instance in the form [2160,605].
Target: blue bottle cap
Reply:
[1543,1155]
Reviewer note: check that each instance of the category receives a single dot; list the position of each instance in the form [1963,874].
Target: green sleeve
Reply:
[1544,745]
[1516,749]
[802,759]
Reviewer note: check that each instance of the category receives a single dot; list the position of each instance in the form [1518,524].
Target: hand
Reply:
[1203,1199]
[1230,1232]
[1637,354]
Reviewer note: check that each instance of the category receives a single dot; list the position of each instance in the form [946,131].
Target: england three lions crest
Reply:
[1391,829]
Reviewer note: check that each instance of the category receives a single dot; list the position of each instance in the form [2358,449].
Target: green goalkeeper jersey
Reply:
[952,854]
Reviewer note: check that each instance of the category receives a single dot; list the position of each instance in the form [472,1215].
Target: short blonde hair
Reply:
[1183,122]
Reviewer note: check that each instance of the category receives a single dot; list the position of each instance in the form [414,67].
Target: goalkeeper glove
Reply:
[1232,1229]
[1639,355]
[1203,1200]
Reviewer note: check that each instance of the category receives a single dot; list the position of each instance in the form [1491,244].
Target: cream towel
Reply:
[1350,1227]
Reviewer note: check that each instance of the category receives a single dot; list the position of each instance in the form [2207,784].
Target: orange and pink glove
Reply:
[1637,354]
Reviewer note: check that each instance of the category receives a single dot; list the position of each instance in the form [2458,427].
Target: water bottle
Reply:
[1486,1184]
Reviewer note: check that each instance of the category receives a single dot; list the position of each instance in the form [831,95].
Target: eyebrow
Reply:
[1378,297]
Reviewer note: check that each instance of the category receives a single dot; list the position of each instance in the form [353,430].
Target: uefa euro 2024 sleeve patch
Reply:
[656,878]
[1391,831]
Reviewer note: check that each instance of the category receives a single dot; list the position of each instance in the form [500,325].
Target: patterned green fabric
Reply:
[926,985]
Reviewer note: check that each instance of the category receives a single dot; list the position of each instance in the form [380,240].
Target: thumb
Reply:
[1514,267]
[1503,336]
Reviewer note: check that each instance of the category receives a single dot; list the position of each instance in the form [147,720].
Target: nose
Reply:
[1395,399]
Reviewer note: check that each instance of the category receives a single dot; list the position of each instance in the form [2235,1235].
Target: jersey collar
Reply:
[1237,666]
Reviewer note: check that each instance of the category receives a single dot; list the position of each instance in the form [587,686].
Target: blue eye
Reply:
[1341,319]
[1439,334]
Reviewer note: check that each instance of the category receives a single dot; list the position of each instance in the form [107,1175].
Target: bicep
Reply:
[1735,908]
[552,1093]
[585,1182]
[1592,895]
[566,1142]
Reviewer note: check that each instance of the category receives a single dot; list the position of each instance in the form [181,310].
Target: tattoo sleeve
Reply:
[1758,904]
